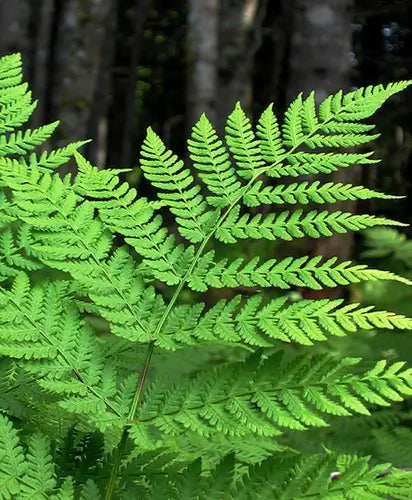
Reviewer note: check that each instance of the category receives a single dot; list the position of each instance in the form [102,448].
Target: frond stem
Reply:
[139,389]
[125,434]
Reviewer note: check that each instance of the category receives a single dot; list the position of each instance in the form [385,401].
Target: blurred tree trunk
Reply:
[15,28]
[202,58]
[42,20]
[320,47]
[99,127]
[320,59]
[131,16]
[78,52]
[239,38]
[128,148]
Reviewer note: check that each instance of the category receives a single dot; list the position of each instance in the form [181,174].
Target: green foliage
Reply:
[117,375]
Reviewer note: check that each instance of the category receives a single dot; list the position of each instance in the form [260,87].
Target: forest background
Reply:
[107,69]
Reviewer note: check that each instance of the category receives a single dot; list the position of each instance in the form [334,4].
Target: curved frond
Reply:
[253,323]
[302,272]
[176,187]
[323,477]
[209,156]
[123,212]
[266,396]
[288,226]
[305,192]
[242,143]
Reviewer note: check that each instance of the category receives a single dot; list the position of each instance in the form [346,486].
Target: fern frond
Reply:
[40,477]
[69,237]
[41,329]
[32,474]
[12,252]
[305,192]
[268,132]
[12,460]
[302,272]
[323,477]
[136,220]
[56,158]
[16,111]
[265,396]
[22,142]
[242,143]
[303,163]
[335,125]
[303,322]
[288,226]
[209,156]
[10,71]
[175,183]
[90,491]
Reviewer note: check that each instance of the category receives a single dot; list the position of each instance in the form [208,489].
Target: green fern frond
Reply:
[10,71]
[269,136]
[302,272]
[305,192]
[56,158]
[22,142]
[176,187]
[288,226]
[69,237]
[302,163]
[243,144]
[12,252]
[40,328]
[136,220]
[334,126]
[210,157]
[12,461]
[324,477]
[32,474]
[303,322]
[265,396]
[16,110]
[40,478]
[287,477]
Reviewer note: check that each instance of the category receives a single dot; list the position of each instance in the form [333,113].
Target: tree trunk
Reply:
[128,146]
[42,19]
[202,59]
[99,127]
[79,43]
[15,28]
[239,24]
[320,60]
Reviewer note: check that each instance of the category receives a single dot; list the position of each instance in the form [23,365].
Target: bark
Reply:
[15,28]
[128,146]
[98,125]
[239,38]
[82,29]
[320,48]
[320,59]
[202,59]
[131,16]
[43,16]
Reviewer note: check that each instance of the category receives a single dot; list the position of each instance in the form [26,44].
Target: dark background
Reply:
[107,69]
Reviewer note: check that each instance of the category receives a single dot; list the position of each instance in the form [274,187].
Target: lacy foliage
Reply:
[92,279]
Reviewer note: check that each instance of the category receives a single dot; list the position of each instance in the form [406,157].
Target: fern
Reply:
[86,353]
